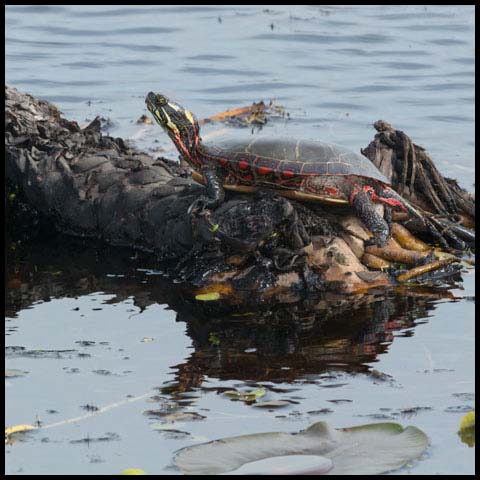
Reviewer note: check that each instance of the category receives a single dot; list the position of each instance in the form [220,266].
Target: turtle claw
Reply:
[202,205]
[198,207]
[377,242]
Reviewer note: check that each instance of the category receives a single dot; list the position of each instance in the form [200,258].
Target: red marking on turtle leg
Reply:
[392,202]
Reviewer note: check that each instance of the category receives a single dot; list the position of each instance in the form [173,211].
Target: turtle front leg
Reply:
[362,205]
[215,192]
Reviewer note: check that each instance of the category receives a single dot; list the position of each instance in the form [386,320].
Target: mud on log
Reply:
[87,184]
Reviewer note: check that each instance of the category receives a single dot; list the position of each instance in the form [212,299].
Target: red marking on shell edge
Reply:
[331,190]
[354,193]
[264,170]
[288,174]
[222,161]
[243,164]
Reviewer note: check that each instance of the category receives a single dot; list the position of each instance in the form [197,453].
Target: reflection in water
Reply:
[277,342]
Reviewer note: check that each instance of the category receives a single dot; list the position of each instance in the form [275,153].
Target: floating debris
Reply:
[466,430]
[145,119]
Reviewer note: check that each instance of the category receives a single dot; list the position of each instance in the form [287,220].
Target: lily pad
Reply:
[250,396]
[287,465]
[467,429]
[364,450]
[467,421]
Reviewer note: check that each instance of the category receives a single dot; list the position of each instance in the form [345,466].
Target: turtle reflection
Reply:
[282,341]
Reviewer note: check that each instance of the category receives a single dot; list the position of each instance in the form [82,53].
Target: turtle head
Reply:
[180,124]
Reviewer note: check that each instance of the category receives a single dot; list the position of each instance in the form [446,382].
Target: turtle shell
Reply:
[300,157]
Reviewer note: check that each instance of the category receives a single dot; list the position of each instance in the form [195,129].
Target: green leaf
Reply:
[364,450]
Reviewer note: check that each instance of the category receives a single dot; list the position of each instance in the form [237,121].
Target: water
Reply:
[336,70]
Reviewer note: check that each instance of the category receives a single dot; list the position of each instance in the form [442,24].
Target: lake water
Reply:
[112,335]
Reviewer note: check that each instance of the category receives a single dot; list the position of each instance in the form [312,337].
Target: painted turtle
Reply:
[299,169]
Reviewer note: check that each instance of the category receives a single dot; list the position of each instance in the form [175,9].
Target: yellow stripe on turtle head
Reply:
[190,117]
[174,106]
[171,125]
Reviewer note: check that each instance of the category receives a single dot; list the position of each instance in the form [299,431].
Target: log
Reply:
[81,182]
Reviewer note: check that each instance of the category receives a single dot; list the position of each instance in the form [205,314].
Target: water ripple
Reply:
[136,48]
[450,118]
[38,82]
[372,88]
[80,32]
[256,87]
[318,38]
[37,43]
[211,57]
[66,98]
[36,9]
[146,10]
[328,67]
[412,15]
[464,60]
[452,27]
[341,106]
[446,42]
[404,65]
[447,86]
[235,72]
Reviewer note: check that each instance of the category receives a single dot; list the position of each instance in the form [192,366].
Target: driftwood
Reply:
[414,175]
[450,209]
[81,182]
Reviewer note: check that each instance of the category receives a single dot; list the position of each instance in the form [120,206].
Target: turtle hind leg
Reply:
[444,231]
[363,207]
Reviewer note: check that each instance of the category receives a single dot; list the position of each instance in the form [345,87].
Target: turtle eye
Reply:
[161,100]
